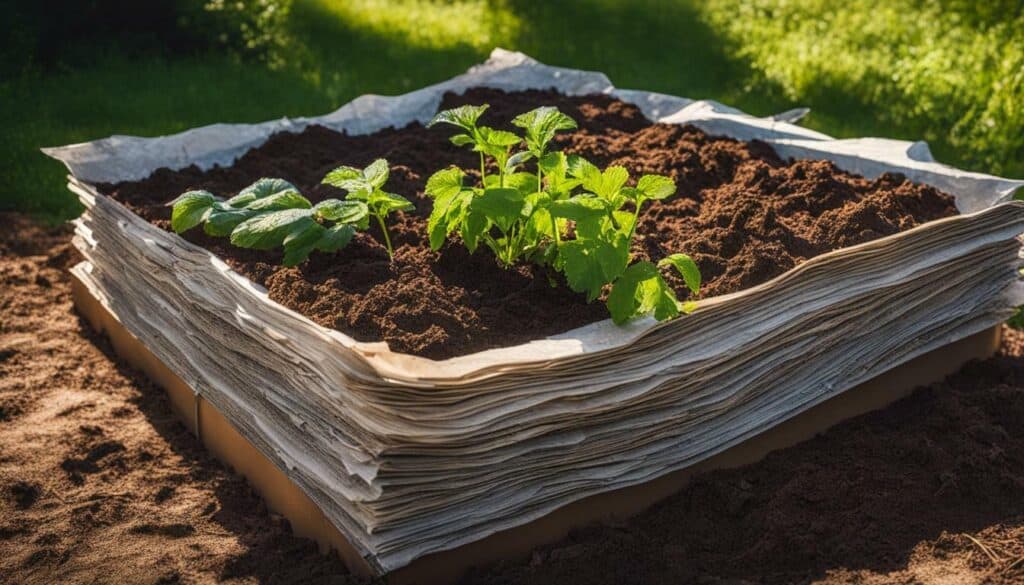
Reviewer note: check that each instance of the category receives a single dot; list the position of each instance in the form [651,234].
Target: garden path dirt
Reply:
[99,483]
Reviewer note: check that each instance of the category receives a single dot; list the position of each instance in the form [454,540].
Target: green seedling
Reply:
[521,215]
[366,185]
[271,213]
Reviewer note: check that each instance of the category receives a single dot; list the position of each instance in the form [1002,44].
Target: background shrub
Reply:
[70,33]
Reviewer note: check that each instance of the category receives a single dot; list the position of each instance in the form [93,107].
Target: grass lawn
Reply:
[903,69]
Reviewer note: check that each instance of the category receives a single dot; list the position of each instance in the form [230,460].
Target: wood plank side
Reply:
[306,519]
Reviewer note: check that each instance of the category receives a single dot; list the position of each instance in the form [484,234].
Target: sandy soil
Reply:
[100,484]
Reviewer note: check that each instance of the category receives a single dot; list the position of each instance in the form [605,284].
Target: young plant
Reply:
[599,254]
[271,213]
[366,185]
[505,210]
[524,216]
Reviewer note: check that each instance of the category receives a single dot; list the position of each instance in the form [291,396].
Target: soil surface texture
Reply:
[742,213]
[99,482]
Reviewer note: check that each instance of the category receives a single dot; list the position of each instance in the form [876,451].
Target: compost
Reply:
[740,211]
[99,482]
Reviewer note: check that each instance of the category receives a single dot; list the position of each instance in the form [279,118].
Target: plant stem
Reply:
[387,238]
[636,218]
[482,166]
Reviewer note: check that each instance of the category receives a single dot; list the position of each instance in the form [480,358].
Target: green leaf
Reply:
[656,186]
[584,170]
[349,211]
[639,291]
[445,182]
[541,124]
[613,179]
[687,268]
[269,230]
[300,241]
[376,173]
[526,183]
[382,203]
[446,216]
[347,178]
[590,264]
[502,138]
[501,206]
[464,117]
[264,187]
[474,225]
[517,159]
[289,199]
[336,237]
[579,208]
[222,221]
[462,139]
[191,209]
[555,166]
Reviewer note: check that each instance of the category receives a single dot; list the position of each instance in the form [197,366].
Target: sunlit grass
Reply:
[480,24]
[951,71]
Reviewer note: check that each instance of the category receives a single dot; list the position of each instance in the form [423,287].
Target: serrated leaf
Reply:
[502,206]
[222,221]
[656,186]
[348,211]
[641,290]
[190,209]
[445,182]
[499,138]
[687,268]
[613,179]
[336,237]
[300,241]
[589,265]
[288,199]
[464,117]
[584,170]
[347,178]
[376,173]
[269,230]
[264,187]
[446,216]
[541,124]
[554,163]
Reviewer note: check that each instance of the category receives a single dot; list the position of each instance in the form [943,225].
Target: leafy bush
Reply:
[69,32]
[272,213]
[524,216]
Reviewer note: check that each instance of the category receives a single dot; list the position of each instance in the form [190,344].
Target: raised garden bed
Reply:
[744,214]
[816,280]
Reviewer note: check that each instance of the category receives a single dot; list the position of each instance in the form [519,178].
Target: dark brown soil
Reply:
[99,483]
[745,215]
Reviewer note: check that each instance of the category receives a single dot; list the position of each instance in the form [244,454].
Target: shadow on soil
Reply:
[273,554]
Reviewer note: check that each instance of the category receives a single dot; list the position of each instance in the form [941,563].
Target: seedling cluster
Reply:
[565,213]
[527,216]
[272,213]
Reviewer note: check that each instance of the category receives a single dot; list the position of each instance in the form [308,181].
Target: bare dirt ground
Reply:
[100,484]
